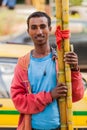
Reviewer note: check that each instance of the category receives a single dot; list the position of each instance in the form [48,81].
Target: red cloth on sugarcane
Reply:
[61,34]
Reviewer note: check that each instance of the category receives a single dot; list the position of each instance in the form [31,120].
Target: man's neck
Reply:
[39,52]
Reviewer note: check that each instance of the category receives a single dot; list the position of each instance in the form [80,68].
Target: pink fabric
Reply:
[61,34]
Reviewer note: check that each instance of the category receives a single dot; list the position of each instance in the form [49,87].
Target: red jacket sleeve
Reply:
[77,86]
[24,102]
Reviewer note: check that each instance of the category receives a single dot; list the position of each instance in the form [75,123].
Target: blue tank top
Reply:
[42,77]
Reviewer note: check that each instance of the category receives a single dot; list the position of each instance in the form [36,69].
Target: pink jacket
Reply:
[28,103]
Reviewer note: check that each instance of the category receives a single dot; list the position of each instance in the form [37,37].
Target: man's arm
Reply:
[71,58]
[25,102]
[77,86]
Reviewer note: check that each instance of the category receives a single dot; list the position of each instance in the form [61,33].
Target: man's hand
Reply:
[59,91]
[71,58]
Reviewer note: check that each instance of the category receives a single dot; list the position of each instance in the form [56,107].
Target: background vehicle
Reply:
[9,54]
[80,109]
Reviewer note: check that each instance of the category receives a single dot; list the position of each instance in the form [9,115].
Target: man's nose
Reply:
[39,30]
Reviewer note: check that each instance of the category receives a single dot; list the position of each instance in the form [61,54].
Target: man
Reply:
[36,73]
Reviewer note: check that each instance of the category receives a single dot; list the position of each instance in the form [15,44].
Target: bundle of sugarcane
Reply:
[64,75]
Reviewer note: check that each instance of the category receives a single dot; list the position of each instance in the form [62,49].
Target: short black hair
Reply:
[39,14]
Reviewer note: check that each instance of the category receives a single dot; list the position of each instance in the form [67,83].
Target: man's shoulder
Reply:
[24,61]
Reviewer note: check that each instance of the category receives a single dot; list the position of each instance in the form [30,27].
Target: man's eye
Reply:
[42,26]
[33,27]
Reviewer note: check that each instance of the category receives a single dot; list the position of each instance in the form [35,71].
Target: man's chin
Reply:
[41,42]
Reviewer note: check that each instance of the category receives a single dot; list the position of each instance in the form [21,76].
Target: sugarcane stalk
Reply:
[65,19]
[39,5]
[65,104]
[61,66]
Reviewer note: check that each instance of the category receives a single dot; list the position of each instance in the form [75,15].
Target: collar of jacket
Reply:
[25,60]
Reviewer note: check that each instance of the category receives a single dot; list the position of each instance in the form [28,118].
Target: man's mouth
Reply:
[39,37]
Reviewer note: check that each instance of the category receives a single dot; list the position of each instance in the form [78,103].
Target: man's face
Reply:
[39,30]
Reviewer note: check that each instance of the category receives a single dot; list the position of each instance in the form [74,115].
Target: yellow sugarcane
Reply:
[65,19]
[39,4]
[61,74]
[62,15]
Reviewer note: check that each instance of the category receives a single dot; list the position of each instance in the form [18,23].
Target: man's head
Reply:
[39,27]
[39,14]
